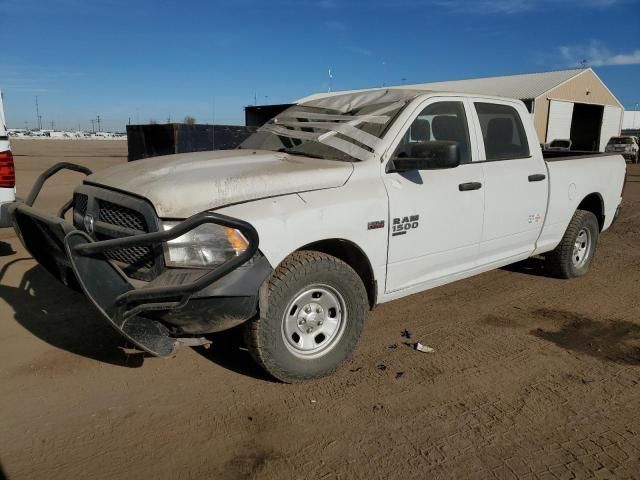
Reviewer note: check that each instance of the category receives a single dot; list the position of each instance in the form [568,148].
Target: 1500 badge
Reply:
[402,225]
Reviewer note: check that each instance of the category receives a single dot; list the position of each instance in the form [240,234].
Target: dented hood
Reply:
[181,185]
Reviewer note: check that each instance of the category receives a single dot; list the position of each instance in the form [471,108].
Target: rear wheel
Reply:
[573,256]
[312,312]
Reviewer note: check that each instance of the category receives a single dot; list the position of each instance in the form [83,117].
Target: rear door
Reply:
[559,120]
[516,183]
[611,122]
[435,215]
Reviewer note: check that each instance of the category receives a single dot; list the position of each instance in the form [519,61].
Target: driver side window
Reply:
[441,121]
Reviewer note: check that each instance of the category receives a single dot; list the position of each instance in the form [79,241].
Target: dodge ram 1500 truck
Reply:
[336,205]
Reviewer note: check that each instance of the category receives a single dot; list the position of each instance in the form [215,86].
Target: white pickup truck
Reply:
[336,205]
[7,172]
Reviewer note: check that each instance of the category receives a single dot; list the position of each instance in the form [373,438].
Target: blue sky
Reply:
[144,59]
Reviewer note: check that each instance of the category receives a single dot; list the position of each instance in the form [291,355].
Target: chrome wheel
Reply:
[314,321]
[581,248]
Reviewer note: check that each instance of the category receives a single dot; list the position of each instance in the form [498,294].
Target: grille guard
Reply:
[106,286]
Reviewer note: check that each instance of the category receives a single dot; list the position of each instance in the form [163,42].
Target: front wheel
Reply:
[573,256]
[312,312]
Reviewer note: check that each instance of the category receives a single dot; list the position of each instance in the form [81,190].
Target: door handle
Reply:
[465,187]
[538,177]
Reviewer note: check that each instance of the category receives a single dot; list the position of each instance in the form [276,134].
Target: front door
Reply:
[436,216]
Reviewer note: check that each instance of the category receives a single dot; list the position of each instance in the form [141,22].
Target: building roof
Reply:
[525,86]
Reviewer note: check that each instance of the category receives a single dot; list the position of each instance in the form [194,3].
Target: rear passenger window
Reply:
[502,131]
[441,121]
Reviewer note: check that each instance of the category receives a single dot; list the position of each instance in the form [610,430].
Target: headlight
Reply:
[205,246]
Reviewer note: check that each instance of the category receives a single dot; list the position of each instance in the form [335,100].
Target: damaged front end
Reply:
[113,253]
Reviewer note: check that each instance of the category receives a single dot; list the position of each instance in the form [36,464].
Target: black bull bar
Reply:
[58,247]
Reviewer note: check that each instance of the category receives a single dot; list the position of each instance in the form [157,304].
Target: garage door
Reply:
[611,119]
[559,125]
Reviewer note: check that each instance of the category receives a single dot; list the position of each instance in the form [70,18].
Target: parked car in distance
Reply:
[336,205]
[558,145]
[627,146]
[7,171]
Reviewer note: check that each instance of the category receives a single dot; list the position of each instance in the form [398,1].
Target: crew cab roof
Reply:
[346,102]
[370,95]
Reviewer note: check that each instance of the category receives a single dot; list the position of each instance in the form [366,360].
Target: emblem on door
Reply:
[401,225]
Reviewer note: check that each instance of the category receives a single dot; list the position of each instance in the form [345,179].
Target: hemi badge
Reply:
[375,225]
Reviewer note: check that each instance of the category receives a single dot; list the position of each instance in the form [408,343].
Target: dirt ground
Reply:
[531,377]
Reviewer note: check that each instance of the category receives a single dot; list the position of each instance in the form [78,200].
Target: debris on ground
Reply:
[405,333]
[424,348]
[399,375]
[354,370]
[392,346]
[381,367]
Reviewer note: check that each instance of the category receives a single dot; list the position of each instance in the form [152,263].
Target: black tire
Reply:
[561,262]
[299,273]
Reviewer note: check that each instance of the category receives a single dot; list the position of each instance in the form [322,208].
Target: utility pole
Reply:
[52,125]
[38,117]
[213,125]
[98,120]
[93,126]
[386,71]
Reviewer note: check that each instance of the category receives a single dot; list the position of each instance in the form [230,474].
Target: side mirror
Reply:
[428,156]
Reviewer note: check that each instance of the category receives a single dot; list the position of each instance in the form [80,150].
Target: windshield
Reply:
[344,127]
[621,141]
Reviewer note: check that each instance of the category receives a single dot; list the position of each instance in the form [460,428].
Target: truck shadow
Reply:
[228,351]
[530,266]
[63,318]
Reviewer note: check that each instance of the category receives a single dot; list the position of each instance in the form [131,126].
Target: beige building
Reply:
[565,104]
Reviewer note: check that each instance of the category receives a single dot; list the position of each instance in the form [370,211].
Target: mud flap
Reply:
[103,284]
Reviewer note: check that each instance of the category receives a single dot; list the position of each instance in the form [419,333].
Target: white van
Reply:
[7,171]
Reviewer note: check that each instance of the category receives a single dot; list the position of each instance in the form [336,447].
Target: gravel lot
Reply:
[532,377]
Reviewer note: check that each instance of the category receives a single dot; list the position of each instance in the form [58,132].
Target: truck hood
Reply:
[182,185]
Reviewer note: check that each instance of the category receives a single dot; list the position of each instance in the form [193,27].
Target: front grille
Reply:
[111,216]
[132,258]
[121,216]
[80,202]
